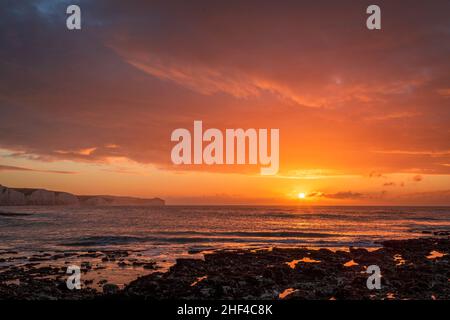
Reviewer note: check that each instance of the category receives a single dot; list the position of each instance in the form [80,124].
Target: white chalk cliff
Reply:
[11,197]
[38,197]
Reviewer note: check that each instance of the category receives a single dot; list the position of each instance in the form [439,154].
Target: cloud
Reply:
[314,174]
[393,116]
[345,195]
[14,168]
[444,92]
[209,81]
[341,195]
[415,152]
[140,69]
[439,197]
[375,174]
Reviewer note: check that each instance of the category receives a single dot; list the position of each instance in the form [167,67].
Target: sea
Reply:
[169,231]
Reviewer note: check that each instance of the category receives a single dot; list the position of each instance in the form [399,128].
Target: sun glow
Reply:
[301,195]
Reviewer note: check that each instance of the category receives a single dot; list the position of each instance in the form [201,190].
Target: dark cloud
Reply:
[374,174]
[139,69]
[344,195]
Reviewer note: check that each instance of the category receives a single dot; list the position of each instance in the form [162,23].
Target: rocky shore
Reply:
[43,275]
[410,269]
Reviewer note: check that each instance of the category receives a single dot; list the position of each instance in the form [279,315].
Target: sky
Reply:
[363,114]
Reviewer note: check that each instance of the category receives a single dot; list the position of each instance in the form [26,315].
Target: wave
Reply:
[216,243]
[252,233]
[199,237]
[14,214]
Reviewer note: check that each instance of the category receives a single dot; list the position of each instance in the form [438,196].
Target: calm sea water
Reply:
[171,230]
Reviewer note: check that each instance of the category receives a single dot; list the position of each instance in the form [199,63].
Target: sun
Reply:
[301,195]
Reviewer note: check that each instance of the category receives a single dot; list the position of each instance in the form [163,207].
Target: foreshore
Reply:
[410,269]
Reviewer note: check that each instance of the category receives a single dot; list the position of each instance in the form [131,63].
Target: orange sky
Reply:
[363,115]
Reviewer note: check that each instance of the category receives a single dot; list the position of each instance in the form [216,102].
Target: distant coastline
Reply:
[36,197]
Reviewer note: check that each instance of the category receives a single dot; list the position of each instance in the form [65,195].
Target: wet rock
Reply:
[259,274]
[110,289]
[252,274]
[150,266]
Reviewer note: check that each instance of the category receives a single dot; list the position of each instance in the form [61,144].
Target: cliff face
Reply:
[119,201]
[11,197]
[36,197]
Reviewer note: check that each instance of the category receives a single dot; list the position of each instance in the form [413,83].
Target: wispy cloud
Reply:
[415,152]
[393,116]
[444,92]
[207,80]
[344,195]
[14,168]
[314,174]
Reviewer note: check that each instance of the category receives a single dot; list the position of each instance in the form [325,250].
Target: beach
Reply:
[410,269]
